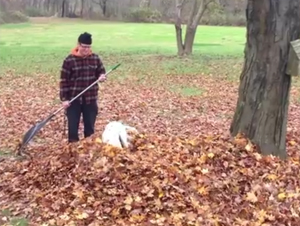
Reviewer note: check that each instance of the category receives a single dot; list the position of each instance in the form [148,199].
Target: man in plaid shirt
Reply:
[79,70]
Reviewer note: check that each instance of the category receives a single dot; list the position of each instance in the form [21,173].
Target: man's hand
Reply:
[102,78]
[65,104]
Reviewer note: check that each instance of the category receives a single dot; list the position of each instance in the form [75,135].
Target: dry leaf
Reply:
[251,197]
[281,196]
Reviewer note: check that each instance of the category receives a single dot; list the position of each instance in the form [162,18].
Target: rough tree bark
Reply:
[186,47]
[262,106]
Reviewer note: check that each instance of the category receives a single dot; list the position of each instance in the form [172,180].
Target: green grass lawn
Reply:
[31,48]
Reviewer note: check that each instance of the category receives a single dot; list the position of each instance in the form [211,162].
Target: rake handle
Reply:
[78,95]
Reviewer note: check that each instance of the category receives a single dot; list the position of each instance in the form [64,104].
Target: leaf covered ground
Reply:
[183,169]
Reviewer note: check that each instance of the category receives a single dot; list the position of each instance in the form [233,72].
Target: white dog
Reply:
[117,134]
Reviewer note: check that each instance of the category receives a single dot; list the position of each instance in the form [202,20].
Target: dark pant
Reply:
[89,113]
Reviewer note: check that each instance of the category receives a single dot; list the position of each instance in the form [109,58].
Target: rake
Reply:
[37,127]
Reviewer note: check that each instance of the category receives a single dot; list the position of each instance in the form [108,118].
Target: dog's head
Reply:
[131,131]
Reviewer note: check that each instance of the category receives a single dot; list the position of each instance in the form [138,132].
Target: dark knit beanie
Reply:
[85,38]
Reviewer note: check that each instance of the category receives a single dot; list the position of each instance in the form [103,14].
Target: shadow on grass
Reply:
[206,44]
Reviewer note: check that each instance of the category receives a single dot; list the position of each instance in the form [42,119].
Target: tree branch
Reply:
[179,5]
[101,3]
[194,10]
[203,6]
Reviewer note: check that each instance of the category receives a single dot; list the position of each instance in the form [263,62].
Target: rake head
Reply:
[31,133]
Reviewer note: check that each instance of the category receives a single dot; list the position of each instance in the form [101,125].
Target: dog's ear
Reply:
[131,129]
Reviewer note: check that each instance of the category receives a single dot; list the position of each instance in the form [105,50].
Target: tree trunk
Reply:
[178,28]
[82,8]
[63,8]
[180,46]
[104,7]
[195,16]
[191,28]
[74,11]
[262,106]
[189,40]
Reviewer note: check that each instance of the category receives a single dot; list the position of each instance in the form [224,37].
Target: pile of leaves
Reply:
[160,181]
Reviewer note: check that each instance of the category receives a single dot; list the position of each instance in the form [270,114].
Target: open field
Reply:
[33,53]
[184,105]
[41,47]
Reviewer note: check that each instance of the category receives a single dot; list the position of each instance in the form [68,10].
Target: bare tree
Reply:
[63,8]
[103,5]
[262,106]
[82,8]
[199,6]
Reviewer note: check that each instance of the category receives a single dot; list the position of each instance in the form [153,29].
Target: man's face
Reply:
[84,49]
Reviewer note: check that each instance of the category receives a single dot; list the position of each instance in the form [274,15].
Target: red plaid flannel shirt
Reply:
[77,73]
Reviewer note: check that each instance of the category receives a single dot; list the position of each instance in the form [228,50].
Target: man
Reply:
[79,70]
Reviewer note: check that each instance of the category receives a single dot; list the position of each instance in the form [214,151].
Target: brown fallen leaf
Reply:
[182,169]
[251,197]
